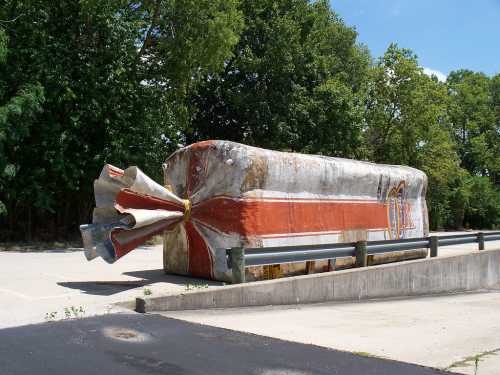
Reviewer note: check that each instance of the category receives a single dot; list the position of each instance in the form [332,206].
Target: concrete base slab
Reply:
[439,331]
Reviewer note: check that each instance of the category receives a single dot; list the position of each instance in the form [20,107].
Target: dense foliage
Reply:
[296,81]
[87,82]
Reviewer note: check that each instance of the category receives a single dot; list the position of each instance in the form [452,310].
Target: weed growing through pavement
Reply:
[196,286]
[73,312]
[51,316]
[147,292]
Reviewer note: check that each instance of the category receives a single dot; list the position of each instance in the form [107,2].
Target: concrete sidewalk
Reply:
[34,284]
[447,332]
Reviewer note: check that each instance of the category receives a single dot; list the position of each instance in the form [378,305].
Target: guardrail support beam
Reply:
[433,244]
[361,254]
[237,262]
[480,240]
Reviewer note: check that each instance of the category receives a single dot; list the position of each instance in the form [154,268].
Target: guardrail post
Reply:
[237,263]
[480,240]
[361,254]
[331,264]
[433,244]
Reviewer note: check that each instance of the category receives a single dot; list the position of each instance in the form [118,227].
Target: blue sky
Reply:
[446,35]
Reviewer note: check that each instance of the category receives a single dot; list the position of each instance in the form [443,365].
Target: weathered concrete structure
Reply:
[220,194]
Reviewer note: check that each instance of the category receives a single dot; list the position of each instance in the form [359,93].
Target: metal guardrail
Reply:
[238,258]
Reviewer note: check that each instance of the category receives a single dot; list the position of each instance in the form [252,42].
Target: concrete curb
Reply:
[459,273]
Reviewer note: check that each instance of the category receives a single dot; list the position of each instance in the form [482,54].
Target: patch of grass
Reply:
[194,286]
[51,316]
[73,312]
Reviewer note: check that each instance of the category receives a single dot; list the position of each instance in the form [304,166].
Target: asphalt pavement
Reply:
[132,344]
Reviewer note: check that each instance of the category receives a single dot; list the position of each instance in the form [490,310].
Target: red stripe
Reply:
[200,262]
[122,249]
[115,172]
[130,199]
[253,217]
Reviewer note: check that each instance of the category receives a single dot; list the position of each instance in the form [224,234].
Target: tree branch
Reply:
[154,21]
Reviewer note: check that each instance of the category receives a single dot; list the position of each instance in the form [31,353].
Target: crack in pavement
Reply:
[473,360]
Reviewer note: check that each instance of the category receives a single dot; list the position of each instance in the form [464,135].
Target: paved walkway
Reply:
[446,332]
[34,284]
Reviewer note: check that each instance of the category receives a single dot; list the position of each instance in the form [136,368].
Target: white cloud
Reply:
[440,75]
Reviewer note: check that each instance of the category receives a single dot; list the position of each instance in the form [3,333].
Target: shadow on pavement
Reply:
[144,277]
[103,288]
[159,275]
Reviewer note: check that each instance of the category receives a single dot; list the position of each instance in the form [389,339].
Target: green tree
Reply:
[494,133]
[472,115]
[87,82]
[109,72]
[19,107]
[407,123]
[483,205]
[296,81]
[184,41]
